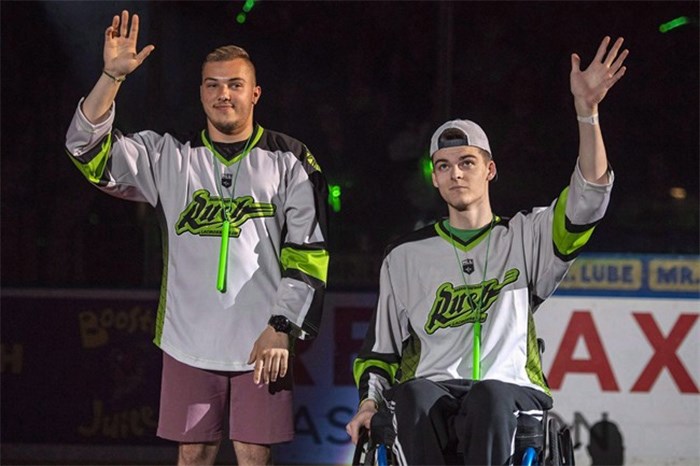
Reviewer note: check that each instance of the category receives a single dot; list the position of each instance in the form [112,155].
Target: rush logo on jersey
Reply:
[456,306]
[204,215]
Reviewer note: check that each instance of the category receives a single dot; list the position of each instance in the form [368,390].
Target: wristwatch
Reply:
[280,324]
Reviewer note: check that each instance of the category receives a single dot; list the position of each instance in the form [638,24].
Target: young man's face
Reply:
[461,174]
[228,93]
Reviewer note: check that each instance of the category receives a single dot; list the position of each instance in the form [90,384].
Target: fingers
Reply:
[120,26]
[111,31]
[353,430]
[258,371]
[360,420]
[284,364]
[575,63]
[602,48]
[271,368]
[617,64]
[124,23]
[270,365]
[143,54]
[134,32]
[614,51]
[616,77]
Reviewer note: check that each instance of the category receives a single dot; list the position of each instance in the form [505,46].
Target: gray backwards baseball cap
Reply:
[459,133]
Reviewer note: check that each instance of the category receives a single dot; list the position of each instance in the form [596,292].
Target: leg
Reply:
[192,410]
[422,410]
[197,454]
[260,415]
[251,454]
[488,418]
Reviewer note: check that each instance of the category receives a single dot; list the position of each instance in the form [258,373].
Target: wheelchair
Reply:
[538,441]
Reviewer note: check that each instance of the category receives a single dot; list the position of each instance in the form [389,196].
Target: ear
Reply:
[257,92]
[492,170]
[434,180]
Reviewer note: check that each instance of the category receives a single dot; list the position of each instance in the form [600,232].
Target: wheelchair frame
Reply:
[556,449]
[555,438]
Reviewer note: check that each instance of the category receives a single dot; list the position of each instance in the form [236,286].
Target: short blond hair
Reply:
[226,53]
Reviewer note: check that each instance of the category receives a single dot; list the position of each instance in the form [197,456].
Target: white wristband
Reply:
[591,120]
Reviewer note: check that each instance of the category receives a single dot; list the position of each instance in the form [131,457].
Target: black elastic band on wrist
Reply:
[113,78]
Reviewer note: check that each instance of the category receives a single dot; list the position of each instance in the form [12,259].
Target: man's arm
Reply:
[589,88]
[304,260]
[362,419]
[120,59]
[377,363]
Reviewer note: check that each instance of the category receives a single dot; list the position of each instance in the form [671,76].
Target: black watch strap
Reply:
[282,324]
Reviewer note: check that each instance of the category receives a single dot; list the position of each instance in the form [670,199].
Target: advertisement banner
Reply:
[622,357]
[79,367]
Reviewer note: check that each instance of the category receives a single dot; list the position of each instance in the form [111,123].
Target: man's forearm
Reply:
[593,160]
[100,99]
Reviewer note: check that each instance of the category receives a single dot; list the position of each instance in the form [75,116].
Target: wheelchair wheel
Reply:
[530,457]
[364,451]
[382,459]
[554,458]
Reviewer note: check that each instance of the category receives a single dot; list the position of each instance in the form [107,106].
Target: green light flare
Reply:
[674,23]
[248,5]
[334,193]
[426,167]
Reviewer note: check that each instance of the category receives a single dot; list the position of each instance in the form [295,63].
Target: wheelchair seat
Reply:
[374,447]
[538,442]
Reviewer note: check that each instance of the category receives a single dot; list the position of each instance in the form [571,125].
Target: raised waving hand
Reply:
[120,56]
[120,59]
[590,86]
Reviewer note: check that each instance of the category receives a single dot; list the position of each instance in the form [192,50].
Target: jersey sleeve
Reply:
[378,361]
[561,231]
[117,164]
[304,254]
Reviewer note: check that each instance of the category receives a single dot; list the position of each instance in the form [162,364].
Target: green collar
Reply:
[252,141]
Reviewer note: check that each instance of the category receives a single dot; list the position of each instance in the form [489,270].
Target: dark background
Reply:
[363,84]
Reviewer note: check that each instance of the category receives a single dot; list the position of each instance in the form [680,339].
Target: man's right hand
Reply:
[120,57]
[363,418]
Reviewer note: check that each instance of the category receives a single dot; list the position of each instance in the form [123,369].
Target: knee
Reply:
[251,454]
[488,392]
[415,400]
[410,393]
[197,453]
[489,399]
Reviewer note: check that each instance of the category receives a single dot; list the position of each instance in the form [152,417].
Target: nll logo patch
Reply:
[468,266]
[226,180]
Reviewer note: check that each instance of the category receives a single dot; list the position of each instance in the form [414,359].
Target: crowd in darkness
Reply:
[363,84]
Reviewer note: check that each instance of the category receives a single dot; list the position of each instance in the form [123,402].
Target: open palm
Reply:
[592,84]
[119,53]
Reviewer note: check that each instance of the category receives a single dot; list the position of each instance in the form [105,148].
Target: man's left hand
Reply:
[270,355]
[590,86]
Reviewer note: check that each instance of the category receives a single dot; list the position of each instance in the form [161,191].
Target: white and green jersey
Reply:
[434,286]
[275,196]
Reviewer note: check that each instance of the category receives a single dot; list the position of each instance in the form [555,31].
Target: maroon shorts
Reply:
[195,404]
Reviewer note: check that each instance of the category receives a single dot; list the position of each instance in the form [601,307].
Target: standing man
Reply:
[245,260]
[451,349]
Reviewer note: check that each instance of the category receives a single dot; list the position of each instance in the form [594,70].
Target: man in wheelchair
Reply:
[451,354]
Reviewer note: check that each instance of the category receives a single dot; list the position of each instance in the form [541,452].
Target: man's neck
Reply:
[238,136]
[470,219]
